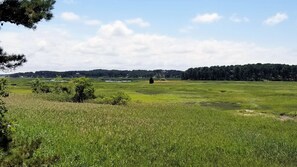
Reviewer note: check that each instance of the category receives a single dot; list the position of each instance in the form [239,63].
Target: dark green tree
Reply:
[248,72]
[83,90]
[26,12]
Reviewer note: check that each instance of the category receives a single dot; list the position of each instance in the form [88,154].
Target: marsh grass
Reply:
[168,128]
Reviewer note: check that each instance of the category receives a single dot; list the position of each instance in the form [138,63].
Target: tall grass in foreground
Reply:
[167,124]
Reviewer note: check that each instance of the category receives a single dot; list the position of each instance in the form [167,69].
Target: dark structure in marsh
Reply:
[151,80]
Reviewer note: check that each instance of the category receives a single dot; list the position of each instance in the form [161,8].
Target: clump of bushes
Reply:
[40,87]
[22,154]
[119,98]
[62,88]
[78,90]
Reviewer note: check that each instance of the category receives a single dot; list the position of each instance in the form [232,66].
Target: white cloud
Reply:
[276,19]
[139,22]
[237,19]
[92,22]
[70,16]
[186,29]
[207,18]
[117,28]
[116,46]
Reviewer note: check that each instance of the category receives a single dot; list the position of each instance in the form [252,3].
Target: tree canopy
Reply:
[249,72]
[22,12]
[26,12]
[102,73]
[10,61]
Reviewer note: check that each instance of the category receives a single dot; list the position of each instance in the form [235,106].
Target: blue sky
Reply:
[169,16]
[150,34]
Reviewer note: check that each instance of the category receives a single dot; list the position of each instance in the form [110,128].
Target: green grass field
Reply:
[172,123]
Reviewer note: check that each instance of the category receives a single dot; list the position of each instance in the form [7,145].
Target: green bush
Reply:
[5,125]
[120,98]
[84,90]
[3,86]
[62,88]
[40,87]
[23,154]
[5,128]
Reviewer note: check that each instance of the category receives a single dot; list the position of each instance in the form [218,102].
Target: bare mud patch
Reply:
[253,113]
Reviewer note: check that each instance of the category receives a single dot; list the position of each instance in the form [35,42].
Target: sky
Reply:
[157,34]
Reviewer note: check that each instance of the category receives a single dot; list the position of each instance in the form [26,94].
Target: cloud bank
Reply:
[117,46]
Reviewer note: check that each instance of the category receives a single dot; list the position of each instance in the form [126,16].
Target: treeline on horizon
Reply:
[249,72]
[100,73]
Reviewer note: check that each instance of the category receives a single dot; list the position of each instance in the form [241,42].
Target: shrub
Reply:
[5,128]
[120,98]
[23,154]
[83,90]
[40,87]
[3,86]
[5,125]
[62,88]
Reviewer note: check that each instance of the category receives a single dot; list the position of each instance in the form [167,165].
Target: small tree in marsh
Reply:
[84,90]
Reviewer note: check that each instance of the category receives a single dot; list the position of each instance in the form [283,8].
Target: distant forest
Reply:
[249,72]
[102,74]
